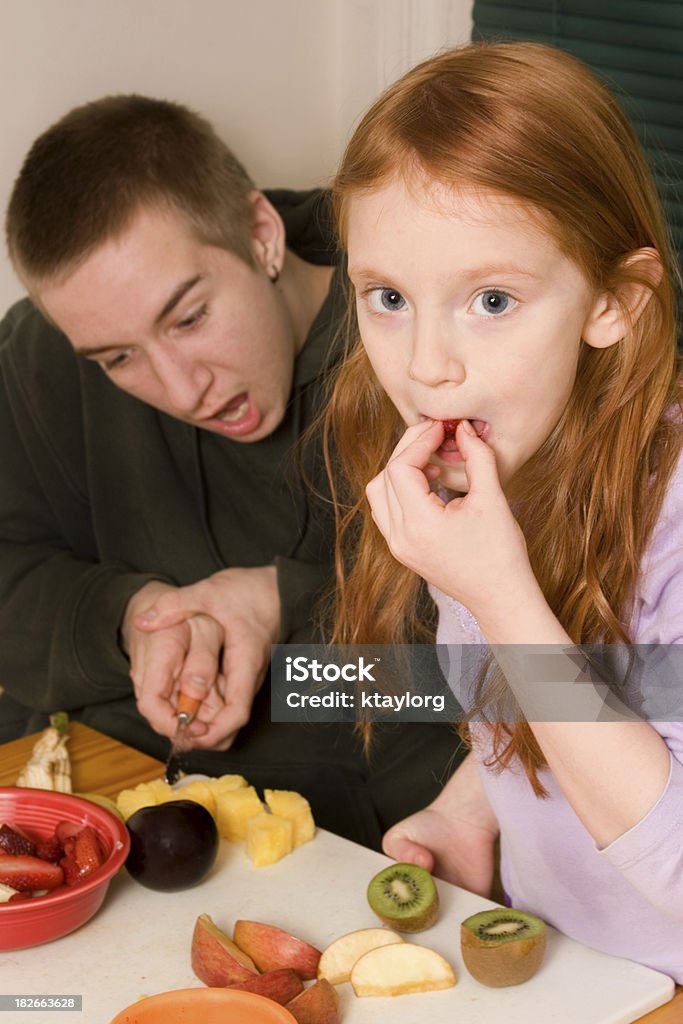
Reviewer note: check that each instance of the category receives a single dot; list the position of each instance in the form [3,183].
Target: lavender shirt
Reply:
[627,898]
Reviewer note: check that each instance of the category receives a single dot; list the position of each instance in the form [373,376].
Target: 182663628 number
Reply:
[41,1002]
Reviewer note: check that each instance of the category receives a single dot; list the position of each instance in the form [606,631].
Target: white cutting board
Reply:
[139,944]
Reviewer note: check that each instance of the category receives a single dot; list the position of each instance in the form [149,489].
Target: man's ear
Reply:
[617,310]
[267,234]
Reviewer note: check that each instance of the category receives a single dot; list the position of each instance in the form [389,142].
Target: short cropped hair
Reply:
[86,177]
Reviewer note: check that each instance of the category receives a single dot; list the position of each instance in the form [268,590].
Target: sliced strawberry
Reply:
[28,873]
[87,851]
[17,897]
[50,849]
[82,855]
[15,843]
[450,427]
[25,832]
[72,872]
[66,830]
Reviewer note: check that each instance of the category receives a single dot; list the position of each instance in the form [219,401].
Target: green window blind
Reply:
[636,46]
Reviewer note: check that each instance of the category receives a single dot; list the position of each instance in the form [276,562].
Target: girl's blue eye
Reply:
[492,302]
[386,300]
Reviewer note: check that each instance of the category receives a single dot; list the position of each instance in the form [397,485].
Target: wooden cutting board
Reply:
[99,764]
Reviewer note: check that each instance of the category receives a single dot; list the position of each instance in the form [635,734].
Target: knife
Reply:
[186,710]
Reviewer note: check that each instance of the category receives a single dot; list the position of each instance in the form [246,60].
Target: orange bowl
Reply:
[43,918]
[205,1006]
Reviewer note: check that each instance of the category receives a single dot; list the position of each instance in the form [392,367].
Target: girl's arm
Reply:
[454,837]
[612,773]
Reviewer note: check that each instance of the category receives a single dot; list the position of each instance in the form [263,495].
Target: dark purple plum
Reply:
[172,846]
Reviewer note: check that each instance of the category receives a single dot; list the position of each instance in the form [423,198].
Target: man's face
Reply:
[186,327]
[467,310]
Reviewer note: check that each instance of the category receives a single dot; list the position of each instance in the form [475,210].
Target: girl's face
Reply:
[467,310]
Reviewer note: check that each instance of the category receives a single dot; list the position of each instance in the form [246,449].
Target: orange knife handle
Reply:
[187,705]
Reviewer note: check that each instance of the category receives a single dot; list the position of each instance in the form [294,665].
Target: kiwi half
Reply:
[502,947]
[404,896]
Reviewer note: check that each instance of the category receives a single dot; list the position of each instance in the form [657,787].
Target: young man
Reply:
[153,390]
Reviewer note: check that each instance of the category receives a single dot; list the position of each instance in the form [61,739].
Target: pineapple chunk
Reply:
[233,809]
[296,808]
[200,792]
[224,783]
[131,800]
[269,838]
[159,787]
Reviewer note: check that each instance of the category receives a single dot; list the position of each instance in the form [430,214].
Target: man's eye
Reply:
[386,300]
[116,362]
[193,318]
[492,302]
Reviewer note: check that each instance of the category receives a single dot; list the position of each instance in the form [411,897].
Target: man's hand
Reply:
[186,657]
[244,604]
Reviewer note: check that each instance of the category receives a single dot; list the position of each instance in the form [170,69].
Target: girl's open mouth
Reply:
[448,450]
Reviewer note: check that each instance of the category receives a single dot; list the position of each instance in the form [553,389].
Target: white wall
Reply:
[282,80]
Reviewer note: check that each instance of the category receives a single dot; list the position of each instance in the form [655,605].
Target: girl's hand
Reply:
[471,547]
[450,849]
[454,837]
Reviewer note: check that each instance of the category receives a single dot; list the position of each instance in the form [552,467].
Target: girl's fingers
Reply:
[430,430]
[480,461]
[418,444]
[399,845]
[407,474]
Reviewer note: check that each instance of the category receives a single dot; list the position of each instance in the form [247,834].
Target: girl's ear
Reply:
[616,311]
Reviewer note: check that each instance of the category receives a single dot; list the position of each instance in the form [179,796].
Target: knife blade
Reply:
[186,710]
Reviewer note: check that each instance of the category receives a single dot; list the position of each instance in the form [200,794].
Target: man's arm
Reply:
[59,607]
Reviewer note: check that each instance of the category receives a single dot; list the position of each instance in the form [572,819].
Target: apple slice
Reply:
[271,948]
[281,986]
[340,956]
[318,1004]
[216,960]
[400,969]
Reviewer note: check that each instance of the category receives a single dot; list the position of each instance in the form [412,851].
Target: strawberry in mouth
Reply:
[450,427]
[448,450]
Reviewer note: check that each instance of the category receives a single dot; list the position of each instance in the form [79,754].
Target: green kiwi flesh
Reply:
[404,897]
[502,947]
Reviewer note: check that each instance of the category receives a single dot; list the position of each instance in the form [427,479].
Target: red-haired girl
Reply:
[511,403]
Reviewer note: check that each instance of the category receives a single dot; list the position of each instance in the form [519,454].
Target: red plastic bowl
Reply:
[30,922]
